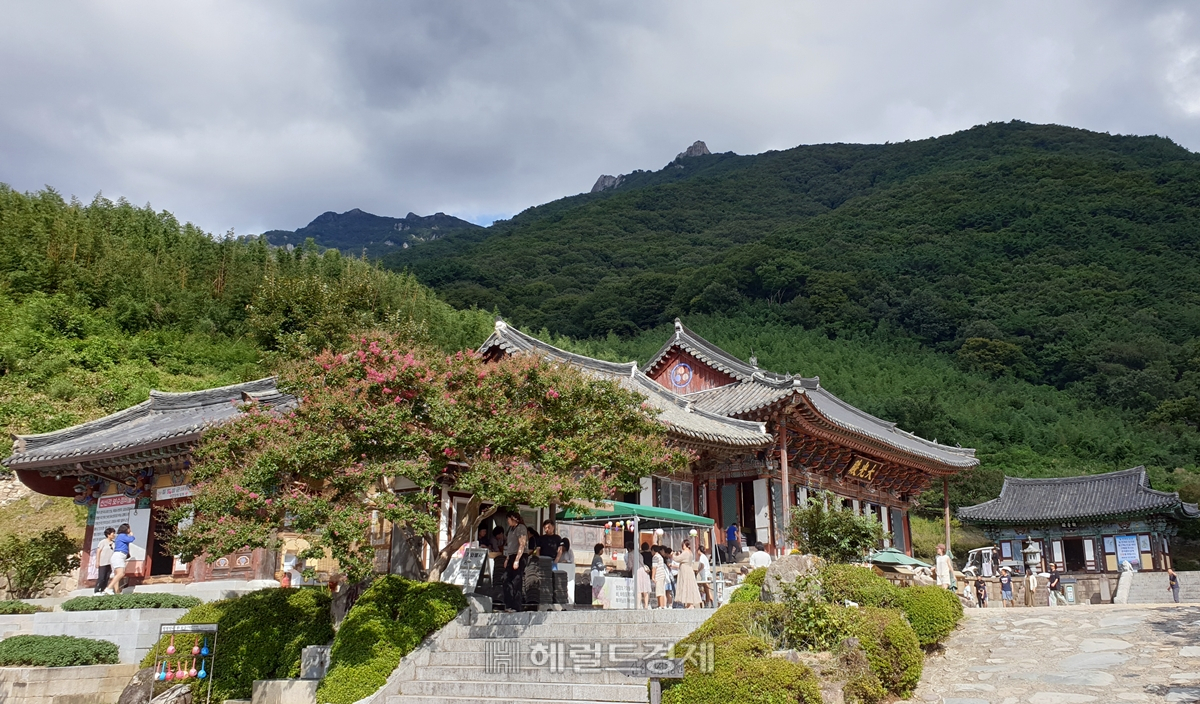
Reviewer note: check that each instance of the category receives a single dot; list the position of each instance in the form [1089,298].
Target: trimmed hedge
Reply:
[932,611]
[14,607]
[741,619]
[260,636]
[861,585]
[388,621]
[136,600]
[744,673]
[751,587]
[889,643]
[56,651]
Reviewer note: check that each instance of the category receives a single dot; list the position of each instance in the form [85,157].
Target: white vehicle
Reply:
[987,562]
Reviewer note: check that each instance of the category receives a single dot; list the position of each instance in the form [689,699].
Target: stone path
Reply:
[1069,655]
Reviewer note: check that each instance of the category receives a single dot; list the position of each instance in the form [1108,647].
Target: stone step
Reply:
[520,690]
[526,673]
[479,658]
[594,616]
[417,699]
[641,641]
[569,631]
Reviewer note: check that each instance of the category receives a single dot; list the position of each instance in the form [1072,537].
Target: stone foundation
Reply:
[92,684]
[134,631]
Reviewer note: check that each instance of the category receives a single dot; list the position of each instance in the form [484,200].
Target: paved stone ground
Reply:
[1069,655]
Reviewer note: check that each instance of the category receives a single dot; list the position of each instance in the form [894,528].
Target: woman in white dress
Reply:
[686,590]
[659,572]
[566,563]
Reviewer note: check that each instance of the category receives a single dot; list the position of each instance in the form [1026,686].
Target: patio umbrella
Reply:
[892,556]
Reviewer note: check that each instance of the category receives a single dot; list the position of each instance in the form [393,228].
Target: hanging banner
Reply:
[1127,551]
[111,512]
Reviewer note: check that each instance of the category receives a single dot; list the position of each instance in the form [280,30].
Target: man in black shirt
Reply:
[1054,585]
[549,543]
[1173,583]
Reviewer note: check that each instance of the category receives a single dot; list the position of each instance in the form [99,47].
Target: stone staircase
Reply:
[1151,588]
[570,657]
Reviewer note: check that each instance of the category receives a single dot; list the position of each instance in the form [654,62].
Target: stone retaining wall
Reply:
[92,684]
[135,631]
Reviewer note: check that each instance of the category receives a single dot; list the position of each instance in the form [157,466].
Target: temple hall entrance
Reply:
[1073,555]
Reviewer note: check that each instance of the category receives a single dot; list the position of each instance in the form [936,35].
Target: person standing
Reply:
[760,557]
[1006,588]
[704,577]
[566,563]
[516,557]
[104,553]
[944,568]
[1173,583]
[598,574]
[1031,585]
[733,541]
[644,584]
[981,595]
[687,592]
[658,573]
[549,542]
[119,558]
[1054,587]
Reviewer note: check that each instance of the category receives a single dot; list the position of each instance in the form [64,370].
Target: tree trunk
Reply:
[465,526]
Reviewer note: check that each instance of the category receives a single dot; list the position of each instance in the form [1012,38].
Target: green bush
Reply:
[757,618]
[890,645]
[260,636]
[117,602]
[388,621]
[744,673]
[56,651]
[14,607]
[932,611]
[29,562]
[858,584]
[751,587]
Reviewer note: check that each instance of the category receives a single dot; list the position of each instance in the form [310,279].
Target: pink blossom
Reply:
[551,394]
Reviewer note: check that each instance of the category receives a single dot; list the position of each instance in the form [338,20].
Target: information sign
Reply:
[1127,551]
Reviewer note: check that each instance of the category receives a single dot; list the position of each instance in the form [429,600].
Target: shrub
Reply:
[751,587]
[30,562]
[116,602]
[14,607]
[858,584]
[890,645]
[744,673]
[811,622]
[757,618]
[56,651]
[388,621]
[835,534]
[933,612]
[260,636]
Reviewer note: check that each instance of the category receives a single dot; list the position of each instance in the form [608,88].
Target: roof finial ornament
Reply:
[753,358]
[500,324]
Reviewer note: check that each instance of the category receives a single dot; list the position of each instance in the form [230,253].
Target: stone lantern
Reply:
[1033,557]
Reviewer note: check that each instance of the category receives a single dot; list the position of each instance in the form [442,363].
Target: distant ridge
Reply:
[355,231]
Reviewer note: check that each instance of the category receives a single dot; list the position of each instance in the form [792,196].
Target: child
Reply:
[981,592]
[1006,596]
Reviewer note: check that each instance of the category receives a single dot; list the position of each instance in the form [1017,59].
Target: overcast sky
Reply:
[261,115]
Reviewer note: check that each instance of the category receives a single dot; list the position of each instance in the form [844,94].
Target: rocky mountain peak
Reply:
[698,148]
[606,182]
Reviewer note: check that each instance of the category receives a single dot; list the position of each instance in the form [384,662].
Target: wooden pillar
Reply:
[787,491]
[946,509]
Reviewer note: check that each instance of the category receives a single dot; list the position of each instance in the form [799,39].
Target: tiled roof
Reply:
[680,416]
[1094,497]
[157,421]
[758,388]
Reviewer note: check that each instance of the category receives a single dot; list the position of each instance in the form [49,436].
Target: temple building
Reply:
[1084,524]
[133,465]
[869,464]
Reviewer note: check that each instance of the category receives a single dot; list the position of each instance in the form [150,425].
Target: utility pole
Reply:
[787,492]
[946,509]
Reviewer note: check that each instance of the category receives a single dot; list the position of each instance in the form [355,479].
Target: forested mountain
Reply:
[1052,255]
[356,233]
[101,302]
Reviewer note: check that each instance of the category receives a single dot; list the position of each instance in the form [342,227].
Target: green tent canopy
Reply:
[892,556]
[648,516]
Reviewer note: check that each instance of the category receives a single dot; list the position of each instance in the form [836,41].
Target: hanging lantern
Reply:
[658,531]
[693,532]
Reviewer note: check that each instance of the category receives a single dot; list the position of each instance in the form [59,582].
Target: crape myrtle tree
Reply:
[521,430]
[828,530]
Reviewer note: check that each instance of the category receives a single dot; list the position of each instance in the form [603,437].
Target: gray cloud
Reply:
[253,116]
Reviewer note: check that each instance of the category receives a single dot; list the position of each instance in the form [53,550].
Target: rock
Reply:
[1060,698]
[785,570]
[1095,645]
[698,148]
[605,182]
[138,689]
[1190,651]
[179,694]
[314,662]
[1091,660]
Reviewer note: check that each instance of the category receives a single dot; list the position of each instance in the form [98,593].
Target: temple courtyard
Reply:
[1068,655]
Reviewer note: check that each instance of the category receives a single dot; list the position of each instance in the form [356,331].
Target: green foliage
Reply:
[751,588]
[260,636]
[928,533]
[140,600]
[811,622]
[29,562]
[744,673]
[516,431]
[890,644]
[835,533]
[858,584]
[56,651]
[761,619]
[391,618]
[13,607]
[932,612]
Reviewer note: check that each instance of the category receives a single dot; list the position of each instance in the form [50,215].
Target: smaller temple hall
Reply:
[1084,524]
